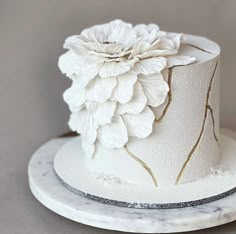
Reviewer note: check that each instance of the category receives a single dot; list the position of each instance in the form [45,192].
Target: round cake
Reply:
[183,146]
[145,104]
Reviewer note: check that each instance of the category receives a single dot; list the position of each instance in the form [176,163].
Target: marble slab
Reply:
[51,193]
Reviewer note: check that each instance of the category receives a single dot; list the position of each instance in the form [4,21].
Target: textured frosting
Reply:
[184,144]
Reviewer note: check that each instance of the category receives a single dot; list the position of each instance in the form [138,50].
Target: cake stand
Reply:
[50,192]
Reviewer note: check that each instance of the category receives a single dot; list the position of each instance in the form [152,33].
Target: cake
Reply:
[145,104]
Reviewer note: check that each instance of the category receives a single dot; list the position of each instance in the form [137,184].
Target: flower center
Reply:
[108,42]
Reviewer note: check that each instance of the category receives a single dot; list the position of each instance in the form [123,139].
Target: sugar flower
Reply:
[116,72]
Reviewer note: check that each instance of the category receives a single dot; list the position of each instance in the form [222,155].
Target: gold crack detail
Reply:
[213,122]
[201,132]
[169,96]
[199,48]
[143,164]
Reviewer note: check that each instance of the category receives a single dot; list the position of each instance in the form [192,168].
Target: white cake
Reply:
[145,103]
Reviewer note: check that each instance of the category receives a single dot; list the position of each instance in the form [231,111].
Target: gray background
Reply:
[31,86]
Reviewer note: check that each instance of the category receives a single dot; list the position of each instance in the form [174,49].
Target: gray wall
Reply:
[31,86]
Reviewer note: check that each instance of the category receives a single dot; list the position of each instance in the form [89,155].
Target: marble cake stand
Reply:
[51,193]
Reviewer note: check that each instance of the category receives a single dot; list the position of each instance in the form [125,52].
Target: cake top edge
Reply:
[203,43]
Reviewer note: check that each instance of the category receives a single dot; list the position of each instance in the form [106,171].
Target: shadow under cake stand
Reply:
[50,192]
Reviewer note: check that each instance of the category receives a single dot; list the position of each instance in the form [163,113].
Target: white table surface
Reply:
[21,213]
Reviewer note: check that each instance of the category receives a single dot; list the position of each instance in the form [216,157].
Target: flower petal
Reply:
[164,46]
[74,97]
[114,48]
[113,68]
[89,148]
[123,33]
[100,89]
[81,68]
[149,33]
[110,57]
[104,113]
[144,28]
[157,53]
[82,123]
[76,44]
[137,103]
[179,60]
[96,33]
[69,63]
[155,88]
[123,91]
[112,37]
[149,66]
[139,48]
[113,135]
[100,33]
[140,125]
[88,70]
[176,38]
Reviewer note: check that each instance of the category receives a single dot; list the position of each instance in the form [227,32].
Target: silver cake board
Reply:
[146,205]
[54,195]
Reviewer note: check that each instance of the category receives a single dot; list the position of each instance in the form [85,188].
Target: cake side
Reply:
[145,103]
[184,144]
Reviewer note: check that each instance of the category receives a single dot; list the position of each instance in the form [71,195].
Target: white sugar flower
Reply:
[109,44]
[116,71]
